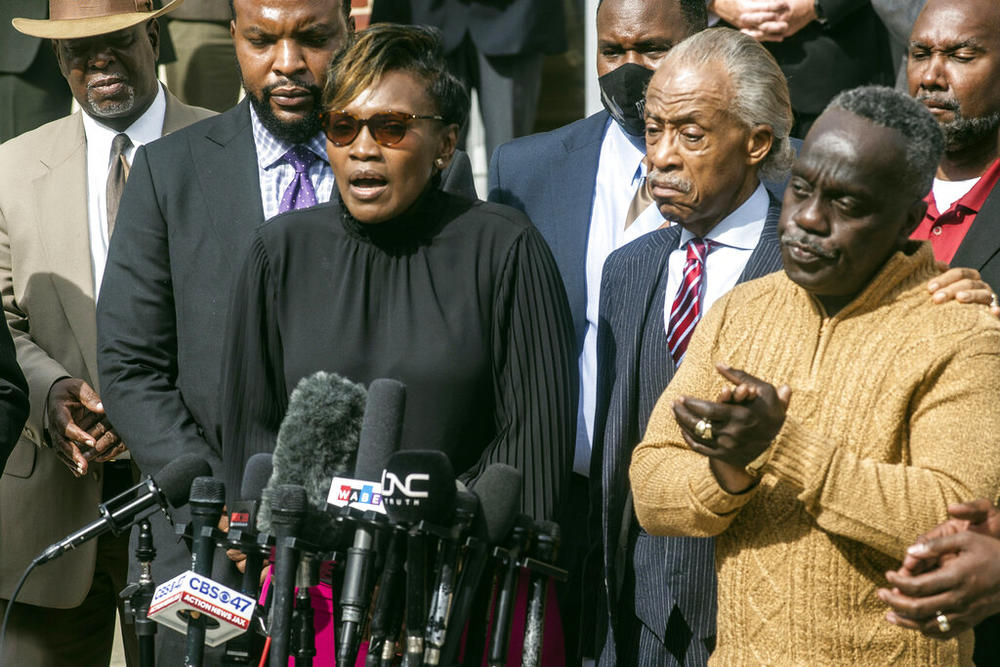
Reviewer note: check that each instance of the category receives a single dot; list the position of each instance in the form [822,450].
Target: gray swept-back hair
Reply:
[898,111]
[760,92]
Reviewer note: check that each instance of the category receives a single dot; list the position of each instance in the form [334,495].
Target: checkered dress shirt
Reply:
[276,174]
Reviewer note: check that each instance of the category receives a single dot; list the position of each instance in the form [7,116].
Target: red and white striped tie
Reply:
[686,311]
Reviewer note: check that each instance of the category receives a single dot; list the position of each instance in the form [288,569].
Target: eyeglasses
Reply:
[387,127]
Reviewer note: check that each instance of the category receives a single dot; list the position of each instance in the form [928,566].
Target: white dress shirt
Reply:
[148,127]
[735,237]
[620,171]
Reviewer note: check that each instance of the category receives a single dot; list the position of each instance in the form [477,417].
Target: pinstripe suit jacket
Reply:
[634,367]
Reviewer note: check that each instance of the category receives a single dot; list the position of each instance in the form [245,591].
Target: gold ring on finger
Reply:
[942,622]
[703,429]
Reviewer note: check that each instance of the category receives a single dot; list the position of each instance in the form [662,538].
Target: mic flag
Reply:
[317,441]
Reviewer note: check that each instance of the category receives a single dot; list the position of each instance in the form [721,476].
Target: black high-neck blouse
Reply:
[458,299]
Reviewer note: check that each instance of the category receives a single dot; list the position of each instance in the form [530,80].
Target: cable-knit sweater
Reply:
[894,414]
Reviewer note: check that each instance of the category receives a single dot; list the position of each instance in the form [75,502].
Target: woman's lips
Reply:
[367,186]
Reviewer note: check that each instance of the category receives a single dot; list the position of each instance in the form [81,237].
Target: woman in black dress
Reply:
[459,299]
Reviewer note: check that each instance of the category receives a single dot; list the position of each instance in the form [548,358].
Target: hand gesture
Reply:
[78,428]
[740,427]
[955,596]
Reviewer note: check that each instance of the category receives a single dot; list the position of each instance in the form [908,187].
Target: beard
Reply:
[111,108]
[297,131]
[964,132]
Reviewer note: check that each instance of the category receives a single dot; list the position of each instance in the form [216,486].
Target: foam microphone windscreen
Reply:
[205,489]
[418,485]
[317,441]
[499,492]
[256,475]
[381,428]
[174,479]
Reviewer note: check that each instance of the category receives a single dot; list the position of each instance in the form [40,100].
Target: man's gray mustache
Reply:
[942,100]
[658,179]
[804,241]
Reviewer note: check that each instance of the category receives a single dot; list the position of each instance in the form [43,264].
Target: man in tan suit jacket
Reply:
[57,207]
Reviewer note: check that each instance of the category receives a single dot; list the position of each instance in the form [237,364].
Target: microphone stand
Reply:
[138,595]
[303,632]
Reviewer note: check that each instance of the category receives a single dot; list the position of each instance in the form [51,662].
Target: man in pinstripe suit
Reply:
[706,158]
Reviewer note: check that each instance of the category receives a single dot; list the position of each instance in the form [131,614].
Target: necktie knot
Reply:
[119,145]
[698,249]
[300,157]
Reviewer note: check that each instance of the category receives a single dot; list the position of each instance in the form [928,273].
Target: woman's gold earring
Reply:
[439,163]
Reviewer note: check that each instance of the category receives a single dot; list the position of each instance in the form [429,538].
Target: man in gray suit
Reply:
[706,157]
[57,203]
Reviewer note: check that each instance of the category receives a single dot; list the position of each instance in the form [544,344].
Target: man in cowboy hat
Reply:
[57,211]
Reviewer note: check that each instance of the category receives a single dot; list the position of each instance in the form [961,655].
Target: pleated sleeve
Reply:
[534,375]
[254,398]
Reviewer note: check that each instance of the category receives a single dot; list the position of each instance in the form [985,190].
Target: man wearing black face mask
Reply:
[583,187]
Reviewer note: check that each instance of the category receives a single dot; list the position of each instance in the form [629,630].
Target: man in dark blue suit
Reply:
[718,117]
[578,185]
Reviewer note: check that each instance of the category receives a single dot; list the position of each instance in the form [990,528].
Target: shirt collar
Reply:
[270,148]
[741,228]
[146,128]
[972,200]
[631,149]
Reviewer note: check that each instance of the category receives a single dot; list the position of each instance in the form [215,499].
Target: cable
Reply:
[10,605]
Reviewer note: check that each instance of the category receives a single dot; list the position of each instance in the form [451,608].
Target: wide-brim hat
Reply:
[72,19]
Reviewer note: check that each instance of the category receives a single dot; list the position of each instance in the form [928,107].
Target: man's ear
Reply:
[759,143]
[914,215]
[59,57]
[153,32]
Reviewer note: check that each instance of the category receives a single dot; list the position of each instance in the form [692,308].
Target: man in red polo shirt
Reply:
[954,69]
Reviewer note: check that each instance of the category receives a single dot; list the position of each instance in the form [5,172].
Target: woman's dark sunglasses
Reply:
[387,127]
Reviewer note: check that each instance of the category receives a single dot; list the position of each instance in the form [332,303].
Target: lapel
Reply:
[580,155]
[766,257]
[61,193]
[179,115]
[225,158]
[983,238]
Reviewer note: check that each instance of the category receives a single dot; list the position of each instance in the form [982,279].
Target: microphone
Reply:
[505,597]
[499,491]
[317,441]
[243,536]
[466,508]
[288,510]
[418,487]
[207,501]
[380,435]
[170,486]
[243,521]
[540,567]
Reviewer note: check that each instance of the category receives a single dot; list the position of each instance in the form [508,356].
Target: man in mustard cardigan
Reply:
[825,414]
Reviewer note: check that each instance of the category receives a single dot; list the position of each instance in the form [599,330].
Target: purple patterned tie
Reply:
[300,192]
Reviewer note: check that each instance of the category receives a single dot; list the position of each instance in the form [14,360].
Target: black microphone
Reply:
[380,435]
[510,568]
[317,441]
[546,545]
[243,521]
[417,487]
[170,486]
[208,497]
[499,491]
[288,509]
[242,650]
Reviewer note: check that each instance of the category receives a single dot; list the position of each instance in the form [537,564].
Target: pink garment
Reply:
[553,649]
[321,597]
